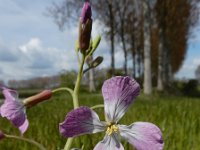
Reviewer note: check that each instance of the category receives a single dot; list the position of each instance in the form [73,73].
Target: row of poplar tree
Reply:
[153,33]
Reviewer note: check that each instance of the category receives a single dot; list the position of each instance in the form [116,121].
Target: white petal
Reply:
[119,93]
[142,135]
[109,143]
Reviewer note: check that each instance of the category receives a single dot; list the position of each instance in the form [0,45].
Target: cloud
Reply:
[35,59]
[196,61]
[35,55]
[6,55]
[39,57]
[31,44]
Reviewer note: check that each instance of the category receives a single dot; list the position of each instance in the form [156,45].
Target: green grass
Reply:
[177,117]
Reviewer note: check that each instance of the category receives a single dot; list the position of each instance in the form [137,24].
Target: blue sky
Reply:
[32,45]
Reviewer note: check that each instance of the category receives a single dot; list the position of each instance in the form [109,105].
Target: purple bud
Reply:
[85,27]
[35,99]
[86,12]
[1,135]
[84,35]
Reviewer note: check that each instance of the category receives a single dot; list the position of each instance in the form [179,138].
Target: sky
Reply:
[32,45]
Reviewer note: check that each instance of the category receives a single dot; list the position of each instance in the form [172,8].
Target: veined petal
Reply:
[80,121]
[10,95]
[14,112]
[109,143]
[142,135]
[119,93]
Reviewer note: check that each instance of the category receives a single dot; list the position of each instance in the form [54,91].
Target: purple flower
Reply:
[14,110]
[119,93]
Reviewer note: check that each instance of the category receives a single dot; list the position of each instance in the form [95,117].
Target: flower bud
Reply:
[1,135]
[84,35]
[85,27]
[35,99]
[86,12]
[96,62]
[95,44]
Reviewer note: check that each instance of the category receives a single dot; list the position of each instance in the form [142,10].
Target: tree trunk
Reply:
[160,85]
[125,62]
[112,39]
[139,62]
[91,81]
[168,68]
[147,49]
[124,48]
[91,75]
[134,62]
[133,50]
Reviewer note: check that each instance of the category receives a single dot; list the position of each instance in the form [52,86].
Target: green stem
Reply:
[78,82]
[68,144]
[97,106]
[75,98]
[41,147]
[78,58]
[64,89]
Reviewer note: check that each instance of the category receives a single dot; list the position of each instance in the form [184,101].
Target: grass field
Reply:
[178,118]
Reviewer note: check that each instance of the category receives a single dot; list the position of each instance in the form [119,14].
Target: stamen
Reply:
[112,128]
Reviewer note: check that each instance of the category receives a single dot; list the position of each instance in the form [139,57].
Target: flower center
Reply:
[112,128]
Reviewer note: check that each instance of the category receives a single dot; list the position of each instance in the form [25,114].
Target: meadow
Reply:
[177,117]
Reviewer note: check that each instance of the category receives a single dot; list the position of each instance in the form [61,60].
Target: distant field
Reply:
[177,117]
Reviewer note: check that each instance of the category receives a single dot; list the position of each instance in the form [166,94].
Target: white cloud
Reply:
[40,57]
[36,60]
[196,61]
[33,44]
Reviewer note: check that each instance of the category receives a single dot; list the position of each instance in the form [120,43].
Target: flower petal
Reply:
[14,112]
[80,121]
[10,95]
[119,92]
[109,143]
[24,126]
[142,135]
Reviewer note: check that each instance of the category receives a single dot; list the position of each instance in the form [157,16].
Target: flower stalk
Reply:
[75,96]
[78,82]
[40,146]
[85,28]
[64,89]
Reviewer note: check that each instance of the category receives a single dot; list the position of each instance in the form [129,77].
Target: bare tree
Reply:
[147,48]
